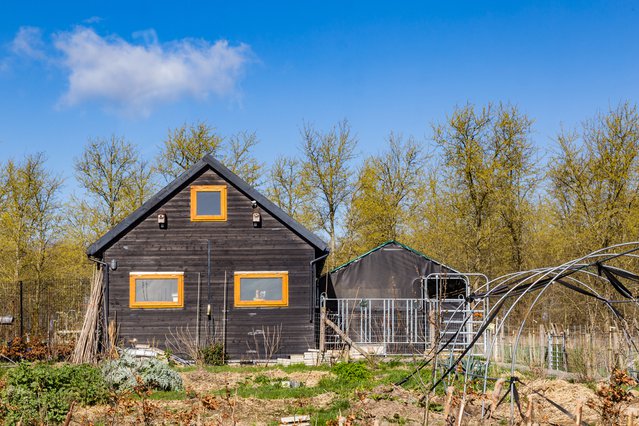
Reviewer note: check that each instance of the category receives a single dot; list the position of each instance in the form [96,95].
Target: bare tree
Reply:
[516,177]
[185,146]
[468,163]
[389,188]
[188,144]
[239,160]
[595,179]
[328,173]
[109,171]
[29,215]
[288,190]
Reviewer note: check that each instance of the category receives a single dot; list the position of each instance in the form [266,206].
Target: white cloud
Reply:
[93,20]
[135,77]
[28,42]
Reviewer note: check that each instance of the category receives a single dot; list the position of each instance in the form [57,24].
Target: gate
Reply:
[401,326]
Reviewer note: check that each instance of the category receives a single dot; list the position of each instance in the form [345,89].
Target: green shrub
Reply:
[42,393]
[351,371]
[124,373]
[213,354]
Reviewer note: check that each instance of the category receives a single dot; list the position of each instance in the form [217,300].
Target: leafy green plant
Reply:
[41,392]
[123,373]
[352,371]
[213,354]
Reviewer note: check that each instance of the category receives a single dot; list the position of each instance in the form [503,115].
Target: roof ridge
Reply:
[385,243]
[182,180]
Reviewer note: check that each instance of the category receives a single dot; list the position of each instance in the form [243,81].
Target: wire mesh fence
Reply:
[586,351]
[52,309]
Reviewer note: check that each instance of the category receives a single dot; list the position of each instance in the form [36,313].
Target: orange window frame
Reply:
[133,276]
[208,188]
[239,303]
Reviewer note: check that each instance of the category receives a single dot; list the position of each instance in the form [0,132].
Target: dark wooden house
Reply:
[210,256]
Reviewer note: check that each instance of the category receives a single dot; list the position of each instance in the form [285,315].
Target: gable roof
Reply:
[179,183]
[384,244]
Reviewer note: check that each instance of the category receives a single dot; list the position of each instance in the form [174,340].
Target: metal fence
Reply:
[401,326]
[46,310]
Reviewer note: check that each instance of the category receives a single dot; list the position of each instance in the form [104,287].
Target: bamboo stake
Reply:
[86,348]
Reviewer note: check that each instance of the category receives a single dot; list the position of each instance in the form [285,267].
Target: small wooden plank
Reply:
[295,420]
[345,337]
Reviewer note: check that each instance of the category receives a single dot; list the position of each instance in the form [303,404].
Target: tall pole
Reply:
[21,312]
[105,301]
[209,313]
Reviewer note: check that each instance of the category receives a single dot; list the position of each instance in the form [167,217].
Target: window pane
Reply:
[208,203]
[156,290]
[252,289]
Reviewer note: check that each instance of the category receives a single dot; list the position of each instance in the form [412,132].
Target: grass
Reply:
[168,395]
[263,387]
[321,416]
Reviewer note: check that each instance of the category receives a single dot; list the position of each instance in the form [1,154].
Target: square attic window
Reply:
[208,203]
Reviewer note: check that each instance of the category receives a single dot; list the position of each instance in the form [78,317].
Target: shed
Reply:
[392,270]
[212,259]
[386,301]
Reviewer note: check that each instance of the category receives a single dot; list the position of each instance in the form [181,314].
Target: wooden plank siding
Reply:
[235,246]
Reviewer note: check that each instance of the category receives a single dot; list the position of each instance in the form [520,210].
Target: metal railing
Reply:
[401,326]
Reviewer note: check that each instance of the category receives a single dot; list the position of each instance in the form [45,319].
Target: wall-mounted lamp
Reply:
[162,220]
[257,217]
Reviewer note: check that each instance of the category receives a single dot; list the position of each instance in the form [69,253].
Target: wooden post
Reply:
[529,411]
[462,405]
[449,400]
[348,340]
[610,360]
[580,409]
[632,412]
[494,398]
[21,312]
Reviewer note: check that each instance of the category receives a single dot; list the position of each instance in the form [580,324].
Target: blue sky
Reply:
[74,70]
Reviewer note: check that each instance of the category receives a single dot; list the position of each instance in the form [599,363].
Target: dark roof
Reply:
[384,244]
[179,183]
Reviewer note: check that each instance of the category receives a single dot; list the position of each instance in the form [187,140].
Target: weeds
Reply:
[41,392]
[611,397]
[213,354]
[34,349]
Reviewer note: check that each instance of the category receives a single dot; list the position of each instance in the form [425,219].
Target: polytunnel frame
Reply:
[542,279]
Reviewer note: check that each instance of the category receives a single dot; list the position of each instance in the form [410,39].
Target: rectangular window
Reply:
[261,289]
[156,290]
[208,203]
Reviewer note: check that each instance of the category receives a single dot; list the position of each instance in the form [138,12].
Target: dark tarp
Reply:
[391,270]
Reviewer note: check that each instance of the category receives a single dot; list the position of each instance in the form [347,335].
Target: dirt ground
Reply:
[383,405]
[204,381]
